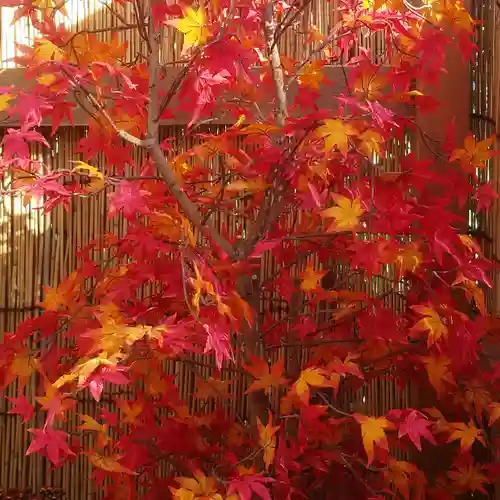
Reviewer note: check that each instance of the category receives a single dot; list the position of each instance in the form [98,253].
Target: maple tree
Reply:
[288,181]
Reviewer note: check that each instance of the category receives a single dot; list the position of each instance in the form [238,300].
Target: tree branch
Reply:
[188,206]
[275,61]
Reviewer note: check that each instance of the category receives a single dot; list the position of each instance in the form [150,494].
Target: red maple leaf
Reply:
[15,142]
[249,484]
[485,195]
[130,198]
[416,426]
[22,407]
[59,112]
[50,442]
[96,381]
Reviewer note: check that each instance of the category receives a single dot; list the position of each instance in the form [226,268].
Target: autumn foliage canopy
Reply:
[273,251]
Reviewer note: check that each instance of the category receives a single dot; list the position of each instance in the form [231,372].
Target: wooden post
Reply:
[453,94]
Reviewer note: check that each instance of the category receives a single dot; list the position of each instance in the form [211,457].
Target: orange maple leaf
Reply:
[64,296]
[311,279]
[440,424]
[408,258]
[474,154]
[311,75]
[369,83]
[23,365]
[130,411]
[266,376]
[466,434]
[469,478]
[399,475]
[438,372]
[494,412]
[267,439]
[475,397]
[371,142]
[431,322]
[373,433]
[212,388]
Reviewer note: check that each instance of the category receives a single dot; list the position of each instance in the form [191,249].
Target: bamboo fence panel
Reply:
[38,250]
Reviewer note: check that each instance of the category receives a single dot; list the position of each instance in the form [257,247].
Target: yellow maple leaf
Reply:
[310,377]
[346,213]
[438,372]
[82,371]
[200,486]
[466,434]
[474,154]
[251,185]
[194,27]
[96,178]
[431,322]
[5,100]
[89,424]
[46,79]
[267,439]
[311,75]
[373,433]
[371,142]
[258,129]
[336,134]
[109,463]
[45,50]
[311,279]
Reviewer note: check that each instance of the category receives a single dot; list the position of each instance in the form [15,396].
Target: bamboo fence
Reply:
[38,250]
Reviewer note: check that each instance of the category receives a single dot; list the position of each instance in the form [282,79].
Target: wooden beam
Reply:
[335,75]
